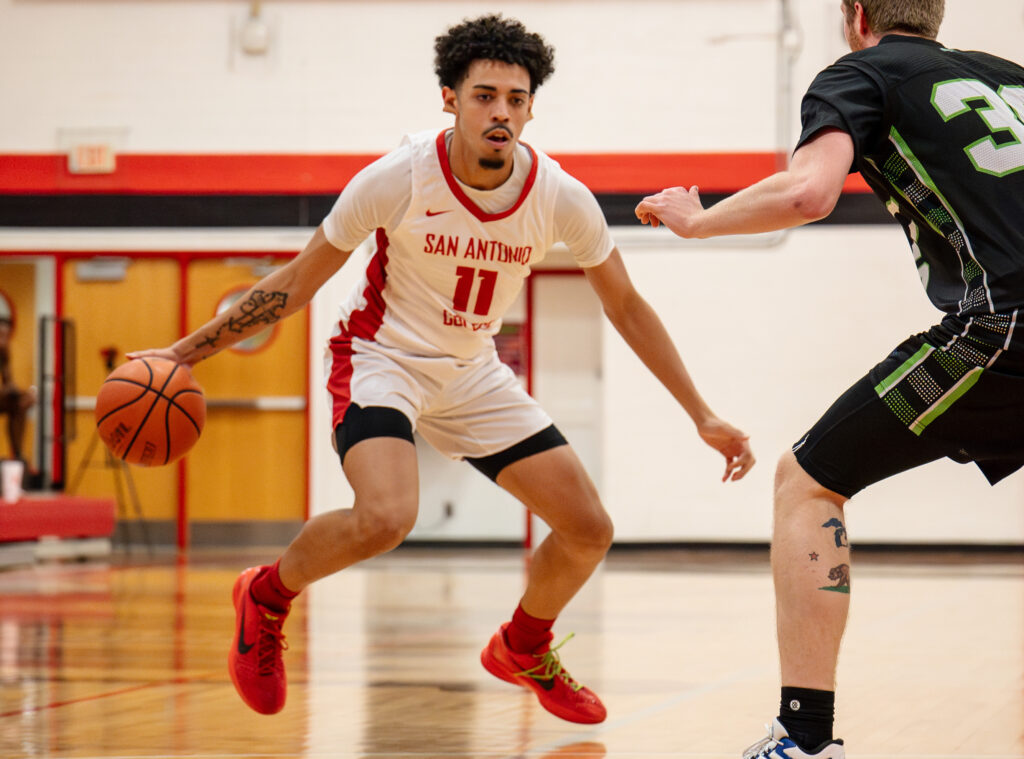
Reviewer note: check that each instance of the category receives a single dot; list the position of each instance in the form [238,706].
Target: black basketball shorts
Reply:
[955,391]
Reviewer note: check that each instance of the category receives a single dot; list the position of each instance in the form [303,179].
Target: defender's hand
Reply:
[731,443]
[677,208]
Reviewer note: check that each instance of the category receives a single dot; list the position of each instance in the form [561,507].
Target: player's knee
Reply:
[594,533]
[605,531]
[384,529]
[793,485]
[785,471]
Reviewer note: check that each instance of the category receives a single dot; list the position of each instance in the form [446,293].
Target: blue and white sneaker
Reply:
[779,746]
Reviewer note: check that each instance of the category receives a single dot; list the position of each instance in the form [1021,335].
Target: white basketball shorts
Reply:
[465,408]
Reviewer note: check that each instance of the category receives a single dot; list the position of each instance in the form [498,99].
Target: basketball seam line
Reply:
[171,401]
[160,393]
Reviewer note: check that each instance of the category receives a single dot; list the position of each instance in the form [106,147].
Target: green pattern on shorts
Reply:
[928,383]
[903,370]
[954,367]
[899,405]
[947,400]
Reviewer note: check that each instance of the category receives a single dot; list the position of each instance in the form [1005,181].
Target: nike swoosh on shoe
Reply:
[243,647]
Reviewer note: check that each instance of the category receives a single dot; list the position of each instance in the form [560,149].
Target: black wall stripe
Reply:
[96,210]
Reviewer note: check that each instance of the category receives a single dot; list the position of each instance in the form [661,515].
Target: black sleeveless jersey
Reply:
[938,134]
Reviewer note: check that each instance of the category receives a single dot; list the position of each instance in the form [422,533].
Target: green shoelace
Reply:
[551,667]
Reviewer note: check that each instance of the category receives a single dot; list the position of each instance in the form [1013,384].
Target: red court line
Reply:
[100,696]
[31,607]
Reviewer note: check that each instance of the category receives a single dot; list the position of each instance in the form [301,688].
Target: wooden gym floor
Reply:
[127,659]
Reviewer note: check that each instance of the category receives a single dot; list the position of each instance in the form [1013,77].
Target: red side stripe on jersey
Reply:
[366,321]
[464,199]
[363,323]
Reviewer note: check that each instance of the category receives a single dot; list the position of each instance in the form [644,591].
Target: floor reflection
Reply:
[129,660]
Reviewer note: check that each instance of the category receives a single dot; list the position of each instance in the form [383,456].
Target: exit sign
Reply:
[96,158]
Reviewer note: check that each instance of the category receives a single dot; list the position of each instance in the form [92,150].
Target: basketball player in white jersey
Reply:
[458,218]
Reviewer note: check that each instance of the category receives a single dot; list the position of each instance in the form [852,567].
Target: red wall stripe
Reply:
[192,174]
[266,174]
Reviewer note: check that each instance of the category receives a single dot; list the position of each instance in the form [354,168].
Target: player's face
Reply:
[491,106]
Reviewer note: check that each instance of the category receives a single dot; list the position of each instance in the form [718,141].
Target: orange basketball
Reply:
[150,411]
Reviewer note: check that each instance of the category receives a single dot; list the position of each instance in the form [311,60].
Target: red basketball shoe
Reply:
[255,658]
[542,672]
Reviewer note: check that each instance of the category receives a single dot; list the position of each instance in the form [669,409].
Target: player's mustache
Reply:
[492,130]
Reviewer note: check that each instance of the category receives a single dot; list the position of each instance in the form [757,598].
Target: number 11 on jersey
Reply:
[464,289]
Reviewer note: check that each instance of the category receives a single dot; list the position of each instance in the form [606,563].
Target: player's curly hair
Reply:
[492,38]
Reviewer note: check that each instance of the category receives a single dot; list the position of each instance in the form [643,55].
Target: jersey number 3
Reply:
[1002,112]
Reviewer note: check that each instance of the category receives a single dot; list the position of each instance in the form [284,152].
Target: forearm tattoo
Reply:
[259,309]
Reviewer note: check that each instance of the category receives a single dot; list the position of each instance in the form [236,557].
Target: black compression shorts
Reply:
[382,421]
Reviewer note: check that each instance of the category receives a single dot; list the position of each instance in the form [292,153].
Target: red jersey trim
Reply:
[464,199]
[363,323]
[366,321]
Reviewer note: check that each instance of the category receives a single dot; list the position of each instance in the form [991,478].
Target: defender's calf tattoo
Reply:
[261,308]
[841,576]
[840,532]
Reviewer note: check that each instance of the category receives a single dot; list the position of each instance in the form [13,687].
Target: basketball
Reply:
[150,411]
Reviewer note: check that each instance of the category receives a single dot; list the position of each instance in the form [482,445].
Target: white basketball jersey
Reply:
[440,280]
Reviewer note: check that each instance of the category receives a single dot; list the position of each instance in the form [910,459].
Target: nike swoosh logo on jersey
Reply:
[243,647]
[438,213]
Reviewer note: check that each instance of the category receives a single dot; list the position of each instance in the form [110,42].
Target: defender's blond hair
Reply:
[913,16]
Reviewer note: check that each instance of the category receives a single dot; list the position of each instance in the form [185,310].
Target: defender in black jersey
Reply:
[938,134]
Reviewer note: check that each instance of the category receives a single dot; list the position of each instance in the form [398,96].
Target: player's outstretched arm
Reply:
[279,294]
[643,331]
[805,192]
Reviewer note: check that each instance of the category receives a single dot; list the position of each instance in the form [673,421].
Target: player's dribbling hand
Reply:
[167,353]
[677,208]
[731,443]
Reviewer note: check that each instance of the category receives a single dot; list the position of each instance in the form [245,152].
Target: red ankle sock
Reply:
[525,634]
[268,590]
